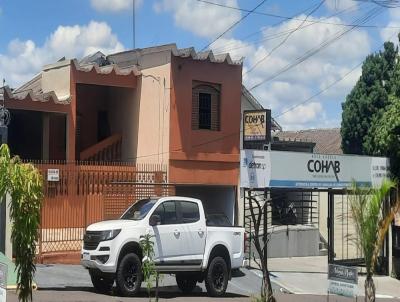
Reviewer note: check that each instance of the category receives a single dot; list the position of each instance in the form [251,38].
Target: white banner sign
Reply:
[53,175]
[261,169]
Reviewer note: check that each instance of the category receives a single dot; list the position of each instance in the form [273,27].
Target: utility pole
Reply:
[4,121]
[133,24]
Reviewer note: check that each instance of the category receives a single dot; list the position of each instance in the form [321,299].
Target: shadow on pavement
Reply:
[165,292]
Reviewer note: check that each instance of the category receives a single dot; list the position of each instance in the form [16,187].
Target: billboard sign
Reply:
[256,128]
[343,280]
[261,169]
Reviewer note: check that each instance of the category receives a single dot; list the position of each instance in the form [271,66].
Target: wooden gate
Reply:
[87,193]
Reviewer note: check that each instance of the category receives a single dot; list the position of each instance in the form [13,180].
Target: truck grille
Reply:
[91,240]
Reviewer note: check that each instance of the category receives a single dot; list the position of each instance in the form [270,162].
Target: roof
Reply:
[327,141]
[122,63]
[30,94]
[130,57]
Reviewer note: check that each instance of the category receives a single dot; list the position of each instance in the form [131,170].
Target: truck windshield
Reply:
[139,210]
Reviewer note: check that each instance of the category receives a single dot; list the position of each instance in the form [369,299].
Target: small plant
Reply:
[150,273]
[23,182]
[372,217]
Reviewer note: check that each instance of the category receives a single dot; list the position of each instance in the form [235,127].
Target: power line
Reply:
[285,39]
[278,34]
[299,19]
[327,87]
[234,24]
[371,14]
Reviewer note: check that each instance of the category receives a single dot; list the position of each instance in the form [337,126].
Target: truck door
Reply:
[168,245]
[193,232]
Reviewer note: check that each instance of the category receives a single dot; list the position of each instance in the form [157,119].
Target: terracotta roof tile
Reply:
[328,141]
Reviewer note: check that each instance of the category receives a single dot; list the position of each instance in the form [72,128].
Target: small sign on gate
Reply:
[53,175]
[343,280]
[3,282]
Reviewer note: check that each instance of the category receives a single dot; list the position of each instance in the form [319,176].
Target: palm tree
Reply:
[372,217]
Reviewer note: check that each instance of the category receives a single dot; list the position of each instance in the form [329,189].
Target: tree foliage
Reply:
[368,97]
[23,182]
[383,137]
[372,219]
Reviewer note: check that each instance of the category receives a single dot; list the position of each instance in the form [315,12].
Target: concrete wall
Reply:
[56,77]
[123,116]
[293,241]
[154,112]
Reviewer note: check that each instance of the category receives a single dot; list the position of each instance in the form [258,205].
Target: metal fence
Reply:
[86,193]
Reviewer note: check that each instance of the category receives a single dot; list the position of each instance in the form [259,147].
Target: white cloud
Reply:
[202,19]
[303,114]
[389,33]
[24,58]
[340,4]
[114,5]
[299,83]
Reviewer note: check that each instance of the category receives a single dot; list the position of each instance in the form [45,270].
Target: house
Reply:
[159,105]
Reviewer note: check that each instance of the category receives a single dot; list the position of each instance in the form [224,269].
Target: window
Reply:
[204,111]
[167,212]
[190,212]
[205,106]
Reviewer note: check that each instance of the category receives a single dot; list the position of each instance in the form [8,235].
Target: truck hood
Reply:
[112,225]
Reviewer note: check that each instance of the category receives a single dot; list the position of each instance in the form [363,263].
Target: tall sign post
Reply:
[4,121]
[257,136]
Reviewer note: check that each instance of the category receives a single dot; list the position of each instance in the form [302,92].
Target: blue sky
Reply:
[35,33]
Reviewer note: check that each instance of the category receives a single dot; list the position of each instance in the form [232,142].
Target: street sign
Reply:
[3,282]
[53,175]
[343,280]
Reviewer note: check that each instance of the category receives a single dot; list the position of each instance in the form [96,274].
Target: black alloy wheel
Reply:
[217,277]
[129,275]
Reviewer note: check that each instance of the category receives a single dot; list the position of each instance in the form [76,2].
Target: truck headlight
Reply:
[109,235]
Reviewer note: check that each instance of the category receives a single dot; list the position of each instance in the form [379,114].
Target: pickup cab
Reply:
[184,245]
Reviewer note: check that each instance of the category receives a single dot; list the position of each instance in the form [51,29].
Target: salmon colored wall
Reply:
[57,137]
[204,156]
[91,99]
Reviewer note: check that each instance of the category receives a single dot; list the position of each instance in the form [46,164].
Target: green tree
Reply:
[383,138]
[23,182]
[372,220]
[368,97]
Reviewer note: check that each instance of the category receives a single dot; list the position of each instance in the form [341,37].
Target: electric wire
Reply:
[313,51]
[233,25]
[284,40]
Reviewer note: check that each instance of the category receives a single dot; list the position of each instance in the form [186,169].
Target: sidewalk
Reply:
[308,275]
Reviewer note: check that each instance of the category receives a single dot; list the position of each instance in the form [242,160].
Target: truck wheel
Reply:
[129,275]
[217,277]
[186,282]
[101,284]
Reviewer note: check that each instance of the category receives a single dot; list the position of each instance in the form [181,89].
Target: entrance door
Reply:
[342,247]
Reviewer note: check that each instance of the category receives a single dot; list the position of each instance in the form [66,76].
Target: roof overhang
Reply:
[110,75]
[44,102]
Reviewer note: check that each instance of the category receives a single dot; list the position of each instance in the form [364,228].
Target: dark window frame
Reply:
[176,212]
[181,219]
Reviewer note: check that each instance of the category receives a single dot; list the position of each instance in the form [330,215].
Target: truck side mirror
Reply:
[155,220]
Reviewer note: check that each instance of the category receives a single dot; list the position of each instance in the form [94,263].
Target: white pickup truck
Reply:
[184,245]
